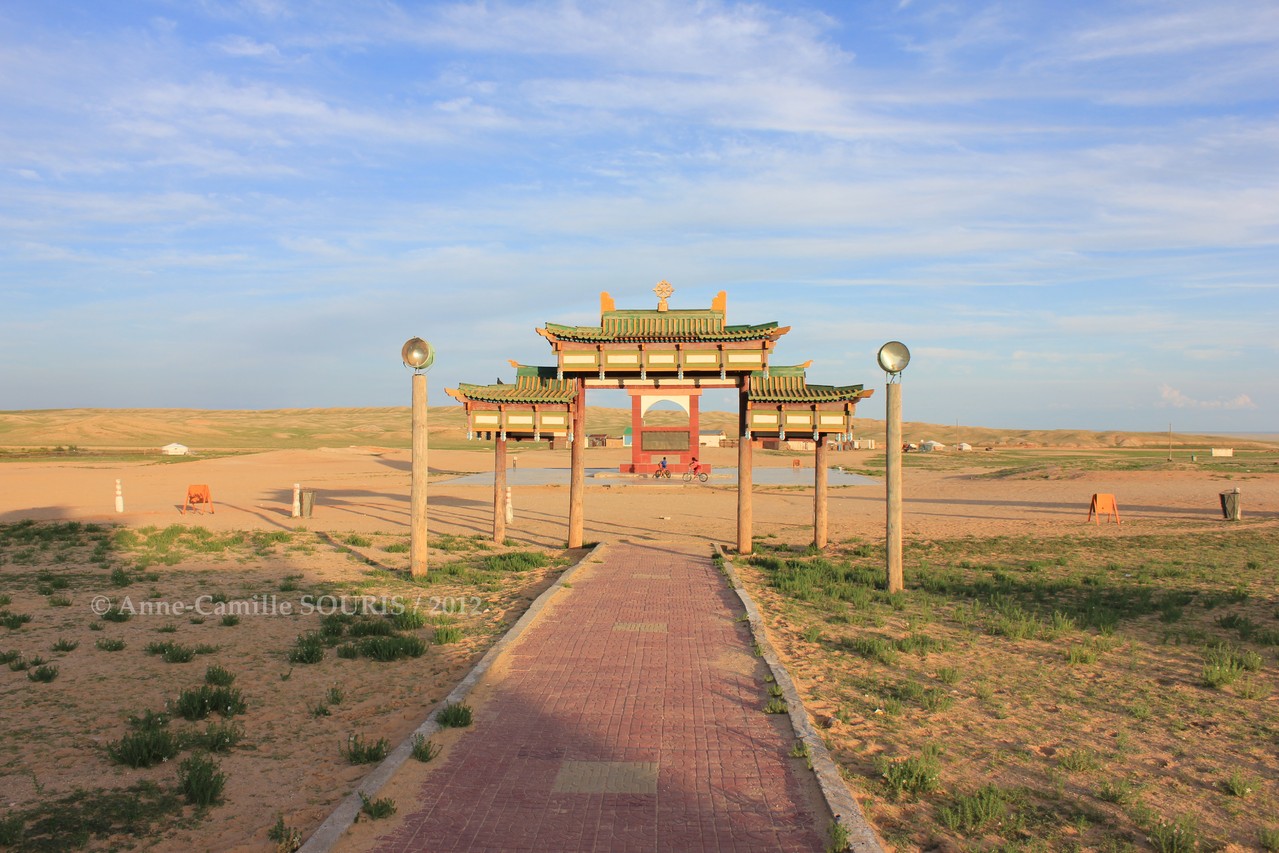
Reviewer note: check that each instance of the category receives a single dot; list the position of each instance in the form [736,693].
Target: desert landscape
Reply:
[1043,683]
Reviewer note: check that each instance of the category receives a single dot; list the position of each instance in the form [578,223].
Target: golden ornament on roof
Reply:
[663,291]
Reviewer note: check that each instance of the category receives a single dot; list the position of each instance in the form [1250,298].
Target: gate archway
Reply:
[655,355]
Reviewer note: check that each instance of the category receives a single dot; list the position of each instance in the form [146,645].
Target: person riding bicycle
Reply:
[663,464]
[695,467]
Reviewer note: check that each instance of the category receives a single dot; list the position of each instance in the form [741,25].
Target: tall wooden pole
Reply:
[745,477]
[499,490]
[894,487]
[819,493]
[577,474]
[417,495]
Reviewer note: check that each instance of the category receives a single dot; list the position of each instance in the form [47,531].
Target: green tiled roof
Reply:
[793,389]
[690,325]
[539,372]
[783,370]
[526,389]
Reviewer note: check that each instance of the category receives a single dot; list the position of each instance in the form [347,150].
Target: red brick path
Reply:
[629,719]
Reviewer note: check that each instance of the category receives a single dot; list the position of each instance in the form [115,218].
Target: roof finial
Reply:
[663,291]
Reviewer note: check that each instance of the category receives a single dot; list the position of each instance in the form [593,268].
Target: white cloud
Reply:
[243,46]
[1176,399]
[1165,29]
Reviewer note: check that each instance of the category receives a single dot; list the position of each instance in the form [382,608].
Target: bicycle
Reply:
[662,472]
[700,475]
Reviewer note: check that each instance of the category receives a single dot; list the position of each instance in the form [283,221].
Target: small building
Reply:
[710,438]
[628,437]
[964,446]
[930,446]
[1223,451]
[175,449]
[615,441]
[787,444]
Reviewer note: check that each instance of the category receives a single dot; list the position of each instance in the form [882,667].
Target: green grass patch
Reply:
[149,742]
[423,749]
[376,809]
[200,702]
[454,715]
[392,647]
[72,821]
[359,751]
[201,781]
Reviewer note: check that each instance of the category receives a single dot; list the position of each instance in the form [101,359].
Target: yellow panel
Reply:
[701,358]
[623,358]
[519,419]
[762,418]
[558,420]
[798,419]
[661,358]
[487,419]
[579,358]
[745,358]
[837,420]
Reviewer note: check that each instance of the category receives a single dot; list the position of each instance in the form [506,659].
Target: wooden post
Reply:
[819,493]
[417,494]
[893,486]
[499,490]
[577,474]
[745,478]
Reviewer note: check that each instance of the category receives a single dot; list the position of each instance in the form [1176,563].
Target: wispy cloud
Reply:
[960,177]
[1170,396]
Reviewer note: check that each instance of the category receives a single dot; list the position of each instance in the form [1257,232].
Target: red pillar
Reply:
[694,406]
[637,429]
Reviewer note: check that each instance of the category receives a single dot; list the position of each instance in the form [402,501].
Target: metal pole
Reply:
[893,482]
[499,490]
[819,493]
[417,496]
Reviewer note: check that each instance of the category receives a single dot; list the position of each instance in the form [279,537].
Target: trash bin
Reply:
[308,502]
[1231,507]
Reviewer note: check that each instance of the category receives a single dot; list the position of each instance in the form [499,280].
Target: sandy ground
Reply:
[366,490]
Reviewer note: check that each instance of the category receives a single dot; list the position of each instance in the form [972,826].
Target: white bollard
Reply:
[119,497]
[510,507]
[297,500]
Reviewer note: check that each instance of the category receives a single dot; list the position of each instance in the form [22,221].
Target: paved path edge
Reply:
[847,811]
[343,815]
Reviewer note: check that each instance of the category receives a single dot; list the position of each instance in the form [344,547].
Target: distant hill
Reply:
[389,427]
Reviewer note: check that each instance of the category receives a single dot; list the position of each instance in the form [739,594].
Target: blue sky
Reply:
[1069,211]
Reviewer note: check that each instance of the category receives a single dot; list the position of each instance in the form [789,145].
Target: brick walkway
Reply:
[629,718]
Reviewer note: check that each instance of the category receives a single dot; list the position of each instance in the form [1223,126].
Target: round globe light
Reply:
[893,357]
[417,354]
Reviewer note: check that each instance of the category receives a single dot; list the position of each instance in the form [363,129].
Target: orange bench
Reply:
[1104,504]
[197,498]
